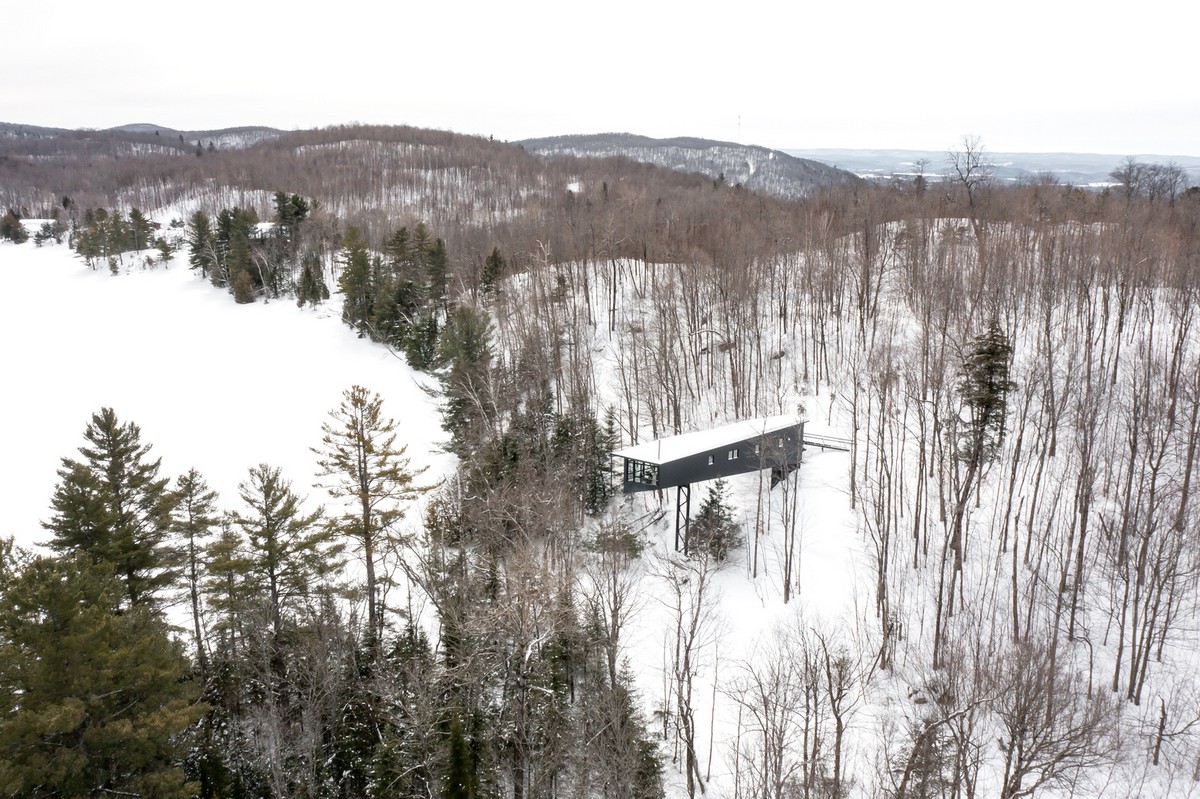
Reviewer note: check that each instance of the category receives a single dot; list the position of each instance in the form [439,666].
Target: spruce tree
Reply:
[312,288]
[465,358]
[714,532]
[437,269]
[114,508]
[355,282]
[984,389]
[460,780]
[493,270]
[140,230]
[201,248]
[600,485]
[93,695]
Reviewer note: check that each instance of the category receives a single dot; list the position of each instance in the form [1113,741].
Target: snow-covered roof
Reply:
[33,226]
[673,448]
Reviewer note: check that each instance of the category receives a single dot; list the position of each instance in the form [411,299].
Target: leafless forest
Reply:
[1030,626]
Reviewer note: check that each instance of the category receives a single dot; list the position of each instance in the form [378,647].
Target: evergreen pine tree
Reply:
[166,249]
[397,248]
[222,235]
[289,552]
[465,354]
[242,286]
[459,780]
[12,229]
[312,288]
[200,244]
[421,245]
[113,507]
[366,467]
[984,389]
[244,279]
[290,210]
[120,233]
[355,282]
[86,245]
[228,593]
[714,533]
[622,760]
[195,519]
[493,270]
[421,341]
[140,230]
[93,695]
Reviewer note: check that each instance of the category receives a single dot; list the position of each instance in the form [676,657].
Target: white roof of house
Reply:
[668,449]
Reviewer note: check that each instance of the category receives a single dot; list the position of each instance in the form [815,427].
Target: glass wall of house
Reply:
[641,472]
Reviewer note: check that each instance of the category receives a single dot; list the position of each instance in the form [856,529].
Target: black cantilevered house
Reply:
[775,443]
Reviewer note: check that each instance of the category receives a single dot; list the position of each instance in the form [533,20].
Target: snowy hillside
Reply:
[757,168]
[946,600]
[223,387]
[995,592]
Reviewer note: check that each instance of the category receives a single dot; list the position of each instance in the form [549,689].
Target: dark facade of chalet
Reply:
[741,448]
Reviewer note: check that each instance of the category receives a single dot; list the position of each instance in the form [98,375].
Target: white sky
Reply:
[1062,75]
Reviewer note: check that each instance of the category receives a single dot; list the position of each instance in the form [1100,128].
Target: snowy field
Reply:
[213,385]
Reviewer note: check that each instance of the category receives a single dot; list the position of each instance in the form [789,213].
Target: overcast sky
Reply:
[1025,75]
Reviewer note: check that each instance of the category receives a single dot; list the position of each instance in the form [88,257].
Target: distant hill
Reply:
[12,130]
[1079,169]
[130,139]
[476,193]
[758,168]
[225,138]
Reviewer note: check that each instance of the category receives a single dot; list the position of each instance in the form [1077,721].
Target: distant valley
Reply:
[1078,169]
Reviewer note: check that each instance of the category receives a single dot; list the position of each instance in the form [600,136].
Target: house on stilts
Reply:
[776,443]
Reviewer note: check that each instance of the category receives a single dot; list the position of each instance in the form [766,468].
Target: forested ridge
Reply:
[1016,367]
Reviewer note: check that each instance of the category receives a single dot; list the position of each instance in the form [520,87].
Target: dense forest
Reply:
[1016,366]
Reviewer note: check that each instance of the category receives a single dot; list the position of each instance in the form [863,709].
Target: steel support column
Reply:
[683,514]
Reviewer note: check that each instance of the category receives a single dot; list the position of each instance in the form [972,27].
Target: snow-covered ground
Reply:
[223,387]
[213,385]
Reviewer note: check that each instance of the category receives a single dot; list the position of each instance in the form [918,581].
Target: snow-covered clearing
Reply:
[213,385]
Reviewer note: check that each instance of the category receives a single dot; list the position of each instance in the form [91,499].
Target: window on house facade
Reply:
[641,472]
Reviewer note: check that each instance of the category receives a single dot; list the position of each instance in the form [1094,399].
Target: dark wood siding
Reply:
[781,448]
